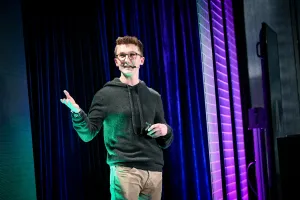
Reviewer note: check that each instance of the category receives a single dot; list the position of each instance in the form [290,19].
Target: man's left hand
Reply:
[157,130]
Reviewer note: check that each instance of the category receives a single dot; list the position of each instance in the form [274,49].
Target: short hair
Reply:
[130,40]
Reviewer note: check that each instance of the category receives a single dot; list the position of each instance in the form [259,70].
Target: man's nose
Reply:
[127,58]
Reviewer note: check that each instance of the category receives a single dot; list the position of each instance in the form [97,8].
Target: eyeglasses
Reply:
[131,56]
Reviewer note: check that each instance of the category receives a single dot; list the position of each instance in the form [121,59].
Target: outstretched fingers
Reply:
[64,101]
[68,99]
[67,94]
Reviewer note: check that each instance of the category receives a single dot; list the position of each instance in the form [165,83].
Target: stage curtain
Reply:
[70,46]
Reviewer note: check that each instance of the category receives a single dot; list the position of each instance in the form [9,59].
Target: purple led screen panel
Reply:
[223,109]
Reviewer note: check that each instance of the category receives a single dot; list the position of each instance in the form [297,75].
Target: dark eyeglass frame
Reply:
[131,55]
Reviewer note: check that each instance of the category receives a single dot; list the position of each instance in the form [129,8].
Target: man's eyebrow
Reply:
[127,52]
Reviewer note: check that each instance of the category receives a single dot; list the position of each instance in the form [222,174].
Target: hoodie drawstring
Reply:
[131,108]
[140,111]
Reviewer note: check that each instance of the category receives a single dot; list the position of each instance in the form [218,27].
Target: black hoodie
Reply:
[124,112]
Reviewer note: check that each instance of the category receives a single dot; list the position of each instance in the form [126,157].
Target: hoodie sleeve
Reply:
[164,141]
[88,126]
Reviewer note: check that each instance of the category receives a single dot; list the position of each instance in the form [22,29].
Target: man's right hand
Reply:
[70,102]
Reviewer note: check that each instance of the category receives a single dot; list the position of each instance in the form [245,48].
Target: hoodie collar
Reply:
[117,82]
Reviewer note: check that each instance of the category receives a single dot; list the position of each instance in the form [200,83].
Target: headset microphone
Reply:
[129,65]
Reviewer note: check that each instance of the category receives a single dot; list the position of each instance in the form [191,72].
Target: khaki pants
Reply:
[127,183]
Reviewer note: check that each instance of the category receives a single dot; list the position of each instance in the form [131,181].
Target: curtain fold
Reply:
[72,48]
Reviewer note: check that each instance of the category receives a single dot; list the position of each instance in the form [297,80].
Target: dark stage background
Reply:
[70,46]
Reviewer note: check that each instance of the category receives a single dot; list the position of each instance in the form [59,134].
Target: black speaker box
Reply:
[289,166]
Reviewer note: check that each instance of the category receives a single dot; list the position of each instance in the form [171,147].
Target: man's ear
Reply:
[116,62]
[142,60]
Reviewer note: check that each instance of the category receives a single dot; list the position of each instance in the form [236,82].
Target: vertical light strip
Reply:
[210,98]
[236,98]
[224,98]
[226,112]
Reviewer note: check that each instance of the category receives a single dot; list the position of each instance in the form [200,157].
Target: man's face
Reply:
[126,56]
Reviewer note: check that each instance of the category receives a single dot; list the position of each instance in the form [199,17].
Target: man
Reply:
[134,127]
